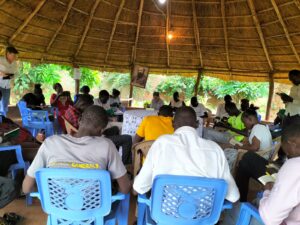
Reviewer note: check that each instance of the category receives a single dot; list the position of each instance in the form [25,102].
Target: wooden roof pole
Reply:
[138,30]
[285,30]
[196,33]
[225,33]
[24,24]
[271,94]
[114,29]
[199,77]
[87,27]
[297,3]
[167,32]
[71,2]
[260,33]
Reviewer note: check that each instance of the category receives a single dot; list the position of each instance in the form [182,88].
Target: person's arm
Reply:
[137,139]
[277,204]
[140,132]
[124,184]
[255,146]
[28,184]
[54,99]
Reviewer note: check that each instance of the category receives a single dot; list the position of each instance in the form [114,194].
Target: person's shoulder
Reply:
[292,164]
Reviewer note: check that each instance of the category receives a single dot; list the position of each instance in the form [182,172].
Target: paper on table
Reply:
[234,142]
[268,178]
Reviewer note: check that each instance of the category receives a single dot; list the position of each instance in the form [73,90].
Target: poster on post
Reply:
[139,76]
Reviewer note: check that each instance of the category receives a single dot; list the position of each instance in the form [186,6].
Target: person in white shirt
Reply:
[156,102]
[260,137]
[114,99]
[292,101]
[87,149]
[8,68]
[176,102]
[221,112]
[103,100]
[198,107]
[185,153]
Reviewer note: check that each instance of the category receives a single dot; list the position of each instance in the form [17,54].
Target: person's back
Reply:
[185,153]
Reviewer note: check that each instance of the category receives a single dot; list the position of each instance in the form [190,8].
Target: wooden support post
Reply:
[271,94]
[196,88]
[131,86]
[77,85]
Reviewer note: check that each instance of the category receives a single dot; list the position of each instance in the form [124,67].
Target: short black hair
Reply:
[294,73]
[84,100]
[116,92]
[156,93]
[94,117]
[166,111]
[291,130]
[227,98]
[85,89]
[249,113]
[230,107]
[103,93]
[185,116]
[12,49]
[56,85]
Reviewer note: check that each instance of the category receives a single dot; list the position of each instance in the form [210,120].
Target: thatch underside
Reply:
[231,39]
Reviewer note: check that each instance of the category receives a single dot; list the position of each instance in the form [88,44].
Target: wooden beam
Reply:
[138,30]
[87,27]
[28,19]
[285,30]
[167,32]
[225,33]
[131,86]
[114,29]
[297,3]
[196,33]
[199,77]
[71,2]
[271,94]
[260,33]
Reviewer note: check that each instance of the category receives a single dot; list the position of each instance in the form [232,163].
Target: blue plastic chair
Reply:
[21,164]
[183,200]
[247,212]
[79,196]
[35,120]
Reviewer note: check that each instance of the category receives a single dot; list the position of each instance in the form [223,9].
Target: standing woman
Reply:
[176,102]
[8,68]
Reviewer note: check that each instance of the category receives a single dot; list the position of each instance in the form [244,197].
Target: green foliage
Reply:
[89,77]
[117,80]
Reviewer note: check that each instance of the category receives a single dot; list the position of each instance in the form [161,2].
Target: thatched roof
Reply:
[231,39]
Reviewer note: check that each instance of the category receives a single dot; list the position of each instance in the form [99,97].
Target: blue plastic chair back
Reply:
[247,212]
[74,196]
[187,200]
[23,112]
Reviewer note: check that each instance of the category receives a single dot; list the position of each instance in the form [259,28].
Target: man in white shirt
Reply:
[292,101]
[221,112]
[87,149]
[103,100]
[156,102]
[8,68]
[185,153]
[198,107]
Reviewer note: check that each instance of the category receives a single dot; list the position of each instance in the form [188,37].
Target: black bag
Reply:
[8,191]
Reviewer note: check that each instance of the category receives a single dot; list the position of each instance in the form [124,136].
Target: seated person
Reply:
[176,102]
[221,111]
[234,124]
[260,137]
[280,203]
[73,115]
[245,104]
[38,92]
[84,90]
[114,99]
[156,101]
[103,100]
[185,153]
[153,127]
[31,101]
[198,107]
[87,147]
[61,100]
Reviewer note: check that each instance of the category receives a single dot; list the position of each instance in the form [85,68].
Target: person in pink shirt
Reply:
[280,204]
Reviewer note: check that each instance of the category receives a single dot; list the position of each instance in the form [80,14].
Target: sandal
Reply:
[12,218]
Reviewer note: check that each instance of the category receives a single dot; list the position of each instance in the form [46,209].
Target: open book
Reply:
[268,178]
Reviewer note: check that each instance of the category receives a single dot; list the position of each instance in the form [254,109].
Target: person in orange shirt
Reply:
[153,127]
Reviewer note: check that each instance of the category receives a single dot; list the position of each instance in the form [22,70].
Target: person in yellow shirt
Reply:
[153,127]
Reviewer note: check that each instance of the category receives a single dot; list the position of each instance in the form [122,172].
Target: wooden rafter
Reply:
[24,24]
[167,32]
[260,33]
[138,30]
[297,3]
[196,33]
[285,30]
[71,2]
[87,27]
[225,33]
[114,29]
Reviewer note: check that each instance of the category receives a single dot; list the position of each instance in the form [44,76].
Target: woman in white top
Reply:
[260,137]
[176,102]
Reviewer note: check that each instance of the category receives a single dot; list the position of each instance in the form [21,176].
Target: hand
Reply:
[269,186]
[2,74]
[286,98]
[236,146]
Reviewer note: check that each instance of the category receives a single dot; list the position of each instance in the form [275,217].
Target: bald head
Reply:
[185,116]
